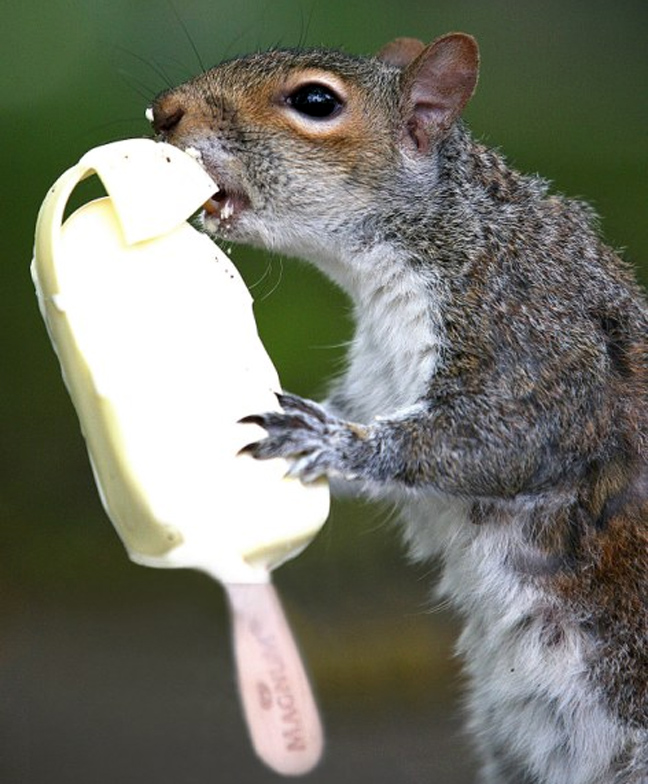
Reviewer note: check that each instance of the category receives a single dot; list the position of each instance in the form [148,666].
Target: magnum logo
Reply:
[276,692]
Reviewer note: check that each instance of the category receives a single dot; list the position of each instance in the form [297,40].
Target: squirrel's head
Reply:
[310,146]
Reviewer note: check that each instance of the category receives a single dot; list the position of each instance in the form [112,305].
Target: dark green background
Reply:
[110,672]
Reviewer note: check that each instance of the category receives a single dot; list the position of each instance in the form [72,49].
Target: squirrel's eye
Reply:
[315,100]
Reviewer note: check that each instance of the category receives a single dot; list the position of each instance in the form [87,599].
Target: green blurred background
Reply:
[111,672]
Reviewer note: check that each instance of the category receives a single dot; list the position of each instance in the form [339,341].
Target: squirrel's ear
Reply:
[437,85]
[401,51]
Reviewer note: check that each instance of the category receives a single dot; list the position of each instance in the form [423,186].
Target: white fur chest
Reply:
[398,339]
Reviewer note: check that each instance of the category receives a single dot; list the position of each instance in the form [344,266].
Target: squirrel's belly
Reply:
[431,522]
[527,663]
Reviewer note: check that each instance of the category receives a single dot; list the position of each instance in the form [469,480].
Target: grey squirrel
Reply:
[497,383]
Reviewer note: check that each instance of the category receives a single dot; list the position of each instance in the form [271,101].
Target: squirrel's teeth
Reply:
[220,206]
[227,210]
[225,206]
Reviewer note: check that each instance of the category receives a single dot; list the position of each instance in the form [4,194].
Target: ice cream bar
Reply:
[159,350]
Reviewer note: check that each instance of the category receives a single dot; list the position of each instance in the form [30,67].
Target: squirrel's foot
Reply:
[314,442]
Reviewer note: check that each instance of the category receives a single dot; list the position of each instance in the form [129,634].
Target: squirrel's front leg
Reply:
[467,450]
[395,450]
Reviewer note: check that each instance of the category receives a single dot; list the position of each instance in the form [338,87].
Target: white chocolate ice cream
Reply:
[159,349]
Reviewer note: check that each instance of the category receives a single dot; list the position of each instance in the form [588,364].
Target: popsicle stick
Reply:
[281,713]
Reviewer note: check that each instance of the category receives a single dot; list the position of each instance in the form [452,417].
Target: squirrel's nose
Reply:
[165,114]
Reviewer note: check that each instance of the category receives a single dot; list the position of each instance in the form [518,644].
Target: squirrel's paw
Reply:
[314,442]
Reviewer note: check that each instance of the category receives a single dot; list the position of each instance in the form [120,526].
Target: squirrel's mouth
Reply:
[224,207]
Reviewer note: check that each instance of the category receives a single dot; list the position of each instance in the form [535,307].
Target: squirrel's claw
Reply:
[303,433]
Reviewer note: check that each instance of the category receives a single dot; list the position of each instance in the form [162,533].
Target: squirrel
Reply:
[497,381]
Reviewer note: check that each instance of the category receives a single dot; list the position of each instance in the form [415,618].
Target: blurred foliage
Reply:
[562,92]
